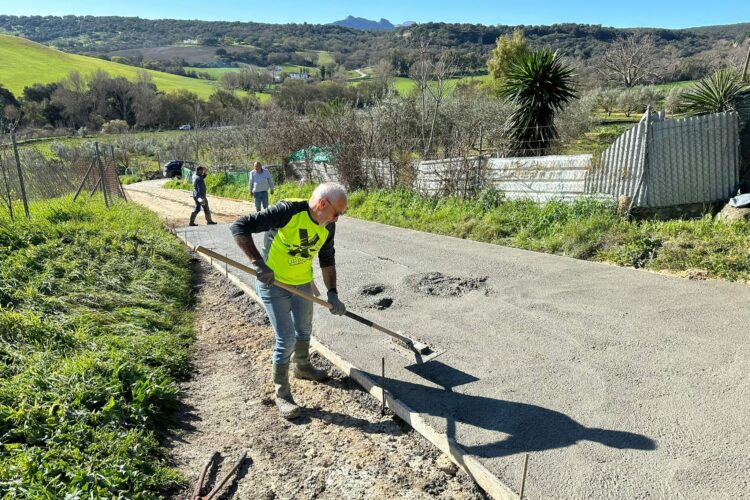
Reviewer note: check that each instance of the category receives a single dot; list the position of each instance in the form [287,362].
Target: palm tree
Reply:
[715,94]
[540,85]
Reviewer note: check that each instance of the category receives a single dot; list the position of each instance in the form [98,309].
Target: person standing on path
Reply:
[199,196]
[261,183]
[296,231]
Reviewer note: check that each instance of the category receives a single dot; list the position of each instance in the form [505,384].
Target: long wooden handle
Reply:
[250,270]
[411,344]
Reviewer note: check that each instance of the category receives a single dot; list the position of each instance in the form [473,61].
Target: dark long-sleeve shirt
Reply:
[291,241]
[199,186]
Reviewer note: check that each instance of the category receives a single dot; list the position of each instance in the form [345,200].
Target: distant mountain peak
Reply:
[360,23]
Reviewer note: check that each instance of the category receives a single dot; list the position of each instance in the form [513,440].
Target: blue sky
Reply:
[629,13]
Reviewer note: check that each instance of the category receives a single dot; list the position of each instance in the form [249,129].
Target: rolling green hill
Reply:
[25,62]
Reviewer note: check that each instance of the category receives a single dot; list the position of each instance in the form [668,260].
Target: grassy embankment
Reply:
[584,230]
[94,329]
[26,62]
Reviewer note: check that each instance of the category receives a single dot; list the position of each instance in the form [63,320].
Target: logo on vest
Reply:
[303,250]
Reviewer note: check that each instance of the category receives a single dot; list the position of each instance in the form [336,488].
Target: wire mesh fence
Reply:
[28,177]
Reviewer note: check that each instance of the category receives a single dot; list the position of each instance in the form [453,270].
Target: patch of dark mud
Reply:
[441,285]
[374,289]
[383,303]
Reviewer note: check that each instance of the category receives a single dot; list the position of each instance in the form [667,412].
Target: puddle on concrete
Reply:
[440,285]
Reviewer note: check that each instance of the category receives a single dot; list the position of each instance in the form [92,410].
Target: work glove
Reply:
[202,201]
[338,307]
[265,273]
[271,191]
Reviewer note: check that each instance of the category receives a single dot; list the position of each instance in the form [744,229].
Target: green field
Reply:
[325,57]
[405,85]
[25,62]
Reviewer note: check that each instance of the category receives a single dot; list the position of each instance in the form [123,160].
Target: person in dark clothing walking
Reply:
[199,196]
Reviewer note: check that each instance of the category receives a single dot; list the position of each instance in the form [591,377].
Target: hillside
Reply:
[263,44]
[26,62]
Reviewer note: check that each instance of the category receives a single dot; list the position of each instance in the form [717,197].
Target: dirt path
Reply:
[175,205]
[341,448]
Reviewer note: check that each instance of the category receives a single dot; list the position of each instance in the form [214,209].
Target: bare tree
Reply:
[432,75]
[630,60]
[145,100]
[71,96]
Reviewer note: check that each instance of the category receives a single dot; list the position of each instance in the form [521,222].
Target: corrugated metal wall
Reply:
[661,163]
[694,160]
[621,166]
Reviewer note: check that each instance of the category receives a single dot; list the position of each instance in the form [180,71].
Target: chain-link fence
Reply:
[28,177]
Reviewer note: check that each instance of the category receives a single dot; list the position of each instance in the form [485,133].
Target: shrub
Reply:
[115,127]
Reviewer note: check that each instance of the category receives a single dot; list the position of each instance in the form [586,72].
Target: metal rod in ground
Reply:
[382,387]
[523,476]
[20,175]
[85,178]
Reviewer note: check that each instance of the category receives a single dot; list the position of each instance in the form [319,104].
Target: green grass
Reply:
[596,140]
[129,179]
[25,62]
[94,329]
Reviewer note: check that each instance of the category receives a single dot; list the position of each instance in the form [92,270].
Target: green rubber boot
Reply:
[284,401]
[302,366]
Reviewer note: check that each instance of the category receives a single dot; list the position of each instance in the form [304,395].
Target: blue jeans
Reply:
[291,317]
[261,200]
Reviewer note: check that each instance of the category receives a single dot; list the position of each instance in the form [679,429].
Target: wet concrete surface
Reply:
[618,383]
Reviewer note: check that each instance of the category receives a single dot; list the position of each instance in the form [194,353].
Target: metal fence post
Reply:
[101,175]
[20,175]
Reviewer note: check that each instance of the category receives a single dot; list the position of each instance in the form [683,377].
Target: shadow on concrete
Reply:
[528,427]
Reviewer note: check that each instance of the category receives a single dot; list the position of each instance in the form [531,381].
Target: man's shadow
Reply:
[529,427]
